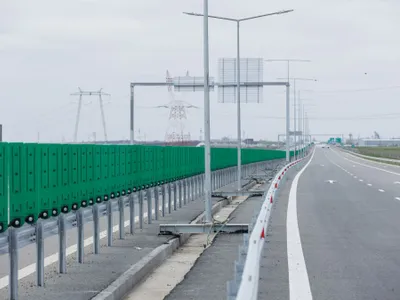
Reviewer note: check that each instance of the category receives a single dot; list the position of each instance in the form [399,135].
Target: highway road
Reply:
[336,233]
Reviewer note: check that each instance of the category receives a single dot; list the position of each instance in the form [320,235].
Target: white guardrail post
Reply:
[244,285]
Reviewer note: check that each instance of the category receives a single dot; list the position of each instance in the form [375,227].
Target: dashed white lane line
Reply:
[355,177]
[369,184]
[382,191]
[299,283]
[361,180]
[365,165]
[397,198]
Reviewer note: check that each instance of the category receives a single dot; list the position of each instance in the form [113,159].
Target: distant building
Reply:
[249,141]
[379,142]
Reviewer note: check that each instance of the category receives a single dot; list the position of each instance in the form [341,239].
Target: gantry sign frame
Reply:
[199,85]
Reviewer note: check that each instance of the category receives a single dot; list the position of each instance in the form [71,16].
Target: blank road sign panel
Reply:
[251,72]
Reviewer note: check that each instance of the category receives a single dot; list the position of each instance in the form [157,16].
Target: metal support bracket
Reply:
[173,229]
[238,193]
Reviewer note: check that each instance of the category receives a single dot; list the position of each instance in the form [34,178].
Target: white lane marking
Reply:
[368,166]
[30,269]
[331,181]
[355,177]
[397,198]
[369,184]
[299,283]
[382,191]
[361,180]
[396,182]
[373,161]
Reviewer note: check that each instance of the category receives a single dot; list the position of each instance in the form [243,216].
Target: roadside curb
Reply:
[127,281]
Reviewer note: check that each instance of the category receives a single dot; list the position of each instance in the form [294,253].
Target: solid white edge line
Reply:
[299,284]
[364,165]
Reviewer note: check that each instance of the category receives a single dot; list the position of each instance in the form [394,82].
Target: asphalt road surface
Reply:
[337,233]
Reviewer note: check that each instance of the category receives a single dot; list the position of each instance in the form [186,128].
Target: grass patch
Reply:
[384,152]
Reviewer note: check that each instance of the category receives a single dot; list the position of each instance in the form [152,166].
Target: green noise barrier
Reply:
[44,180]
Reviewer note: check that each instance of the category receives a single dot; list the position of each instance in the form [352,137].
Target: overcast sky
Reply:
[50,47]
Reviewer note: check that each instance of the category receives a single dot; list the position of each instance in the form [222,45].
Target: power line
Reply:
[358,90]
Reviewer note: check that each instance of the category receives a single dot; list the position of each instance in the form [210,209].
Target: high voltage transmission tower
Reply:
[82,93]
[177,117]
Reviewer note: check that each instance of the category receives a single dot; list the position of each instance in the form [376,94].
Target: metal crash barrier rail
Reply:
[160,200]
[244,285]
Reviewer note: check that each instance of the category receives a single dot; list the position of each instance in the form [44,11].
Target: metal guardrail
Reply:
[172,196]
[244,285]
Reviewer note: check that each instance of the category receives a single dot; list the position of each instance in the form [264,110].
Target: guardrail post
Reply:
[157,202]
[191,189]
[175,187]
[197,188]
[121,218]
[109,224]
[149,206]
[39,253]
[194,188]
[13,256]
[185,191]
[203,178]
[164,190]
[179,192]
[62,245]
[80,226]
[169,197]
[96,229]
[141,209]
[226,177]
[132,212]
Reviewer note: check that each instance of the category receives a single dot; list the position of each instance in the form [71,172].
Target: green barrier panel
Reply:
[47,179]
[76,184]
[129,170]
[136,168]
[106,185]
[4,174]
[49,194]
[123,169]
[86,193]
[23,197]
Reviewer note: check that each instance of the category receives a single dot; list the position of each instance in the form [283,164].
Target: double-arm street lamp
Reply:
[237,21]
[294,102]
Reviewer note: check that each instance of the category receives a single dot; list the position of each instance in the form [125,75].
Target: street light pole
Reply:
[295,122]
[207,141]
[288,101]
[295,113]
[239,125]
[237,21]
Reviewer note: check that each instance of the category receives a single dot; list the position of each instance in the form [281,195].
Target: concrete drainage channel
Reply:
[134,276]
